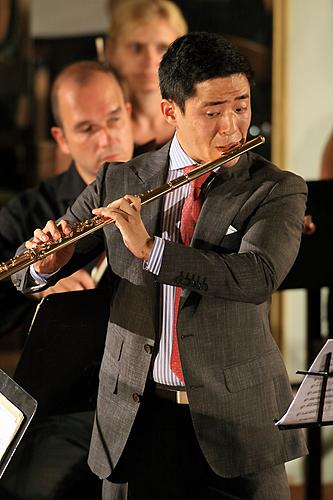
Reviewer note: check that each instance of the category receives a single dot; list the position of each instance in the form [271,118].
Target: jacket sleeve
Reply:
[269,243]
[86,249]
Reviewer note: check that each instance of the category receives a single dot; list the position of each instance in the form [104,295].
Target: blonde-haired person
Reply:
[140,32]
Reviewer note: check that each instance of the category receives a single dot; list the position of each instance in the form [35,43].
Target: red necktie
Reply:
[190,213]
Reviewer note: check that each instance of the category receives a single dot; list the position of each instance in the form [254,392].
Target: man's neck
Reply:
[87,179]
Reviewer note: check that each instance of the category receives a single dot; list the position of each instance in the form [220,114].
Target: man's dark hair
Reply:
[195,58]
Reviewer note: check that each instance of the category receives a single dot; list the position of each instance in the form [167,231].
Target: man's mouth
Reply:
[227,148]
[110,157]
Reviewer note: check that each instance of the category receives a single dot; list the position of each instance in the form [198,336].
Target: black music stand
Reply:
[25,404]
[325,374]
[61,358]
[313,270]
[305,409]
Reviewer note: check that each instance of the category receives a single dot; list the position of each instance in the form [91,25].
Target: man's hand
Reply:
[80,280]
[52,232]
[126,215]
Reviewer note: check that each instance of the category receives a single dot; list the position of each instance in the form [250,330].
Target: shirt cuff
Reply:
[154,263]
[40,279]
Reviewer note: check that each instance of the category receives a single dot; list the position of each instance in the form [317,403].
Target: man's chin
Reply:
[112,158]
[148,86]
[215,155]
[224,153]
[218,156]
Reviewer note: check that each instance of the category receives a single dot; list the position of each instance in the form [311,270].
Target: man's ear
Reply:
[168,108]
[129,108]
[59,136]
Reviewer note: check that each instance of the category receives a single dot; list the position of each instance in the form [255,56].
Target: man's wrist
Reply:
[154,263]
[147,249]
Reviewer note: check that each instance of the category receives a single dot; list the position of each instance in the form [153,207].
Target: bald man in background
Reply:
[92,125]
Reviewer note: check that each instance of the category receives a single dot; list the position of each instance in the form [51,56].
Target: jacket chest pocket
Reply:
[231,241]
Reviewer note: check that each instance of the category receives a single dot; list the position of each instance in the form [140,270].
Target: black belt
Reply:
[172,394]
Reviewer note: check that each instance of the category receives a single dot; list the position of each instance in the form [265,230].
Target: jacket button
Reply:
[148,348]
[136,397]
[179,279]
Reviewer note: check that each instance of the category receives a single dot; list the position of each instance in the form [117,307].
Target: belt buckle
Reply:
[181,398]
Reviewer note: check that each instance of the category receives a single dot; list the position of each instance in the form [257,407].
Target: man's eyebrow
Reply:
[114,111]
[82,124]
[134,42]
[216,103]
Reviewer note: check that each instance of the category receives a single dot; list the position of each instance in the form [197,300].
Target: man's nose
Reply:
[227,123]
[152,56]
[105,136]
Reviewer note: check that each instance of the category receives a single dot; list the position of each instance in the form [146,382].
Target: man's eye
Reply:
[135,48]
[212,114]
[241,108]
[162,48]
[113,119]
[86,130]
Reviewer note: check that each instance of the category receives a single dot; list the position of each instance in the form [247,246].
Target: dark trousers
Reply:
[50,463]
[163,461]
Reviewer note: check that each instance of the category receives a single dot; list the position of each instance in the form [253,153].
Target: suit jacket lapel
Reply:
[229,191]
[147,173]
[152,174]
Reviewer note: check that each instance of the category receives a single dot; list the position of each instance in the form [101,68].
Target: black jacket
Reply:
[18,219]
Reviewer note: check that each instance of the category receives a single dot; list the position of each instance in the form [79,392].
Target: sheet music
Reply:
[304,407]
[11,418]
[100,268]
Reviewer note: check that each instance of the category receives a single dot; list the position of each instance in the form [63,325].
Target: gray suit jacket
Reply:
[245,242]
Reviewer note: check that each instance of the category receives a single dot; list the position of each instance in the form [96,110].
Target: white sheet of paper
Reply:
[11,418]
[304,407]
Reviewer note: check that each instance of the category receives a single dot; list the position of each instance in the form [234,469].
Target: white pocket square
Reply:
[231,229]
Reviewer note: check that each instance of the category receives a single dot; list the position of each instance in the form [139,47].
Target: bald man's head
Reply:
[92,117]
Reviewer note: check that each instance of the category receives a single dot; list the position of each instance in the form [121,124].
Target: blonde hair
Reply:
[129,13]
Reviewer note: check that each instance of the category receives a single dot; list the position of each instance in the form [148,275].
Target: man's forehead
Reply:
[72,87]
[236,85]
[89,96]
[79,116]
[235,79]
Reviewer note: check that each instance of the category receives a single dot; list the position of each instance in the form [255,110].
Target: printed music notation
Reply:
[313,403]
[11,418]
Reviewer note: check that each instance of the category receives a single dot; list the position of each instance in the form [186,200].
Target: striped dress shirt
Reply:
[173,204]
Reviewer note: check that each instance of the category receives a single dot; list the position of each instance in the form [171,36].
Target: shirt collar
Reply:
[178,157]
